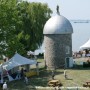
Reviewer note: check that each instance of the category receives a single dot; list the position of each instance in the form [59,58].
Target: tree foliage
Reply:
[21,26]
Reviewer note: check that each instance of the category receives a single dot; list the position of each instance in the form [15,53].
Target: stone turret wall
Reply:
[57,48]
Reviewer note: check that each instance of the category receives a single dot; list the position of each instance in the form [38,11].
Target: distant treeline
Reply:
[40,55]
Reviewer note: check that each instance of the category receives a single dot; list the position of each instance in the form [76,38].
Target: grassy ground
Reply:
[40,60]
[76,77]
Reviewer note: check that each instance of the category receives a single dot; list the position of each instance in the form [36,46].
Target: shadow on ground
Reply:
[34,81]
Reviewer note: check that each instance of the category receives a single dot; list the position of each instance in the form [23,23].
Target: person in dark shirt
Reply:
[22,73]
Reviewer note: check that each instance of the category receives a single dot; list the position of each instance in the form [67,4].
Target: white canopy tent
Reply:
[86,45]
[17,60]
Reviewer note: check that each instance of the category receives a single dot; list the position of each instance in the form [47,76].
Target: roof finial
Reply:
[58,10]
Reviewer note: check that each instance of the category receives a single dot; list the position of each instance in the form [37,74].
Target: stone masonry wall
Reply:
[56,48]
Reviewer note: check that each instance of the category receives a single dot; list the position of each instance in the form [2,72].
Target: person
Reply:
[5,86]
[65,74]
[74,64]
[26,79]
[1,81]
[19,76]
[53,74]
[22,73]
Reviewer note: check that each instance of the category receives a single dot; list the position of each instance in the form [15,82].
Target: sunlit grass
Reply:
[40,60]
[76,77]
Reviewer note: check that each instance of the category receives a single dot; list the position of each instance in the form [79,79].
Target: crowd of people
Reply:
[84,53]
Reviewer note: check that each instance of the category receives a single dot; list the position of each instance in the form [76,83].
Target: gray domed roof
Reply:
[58,25]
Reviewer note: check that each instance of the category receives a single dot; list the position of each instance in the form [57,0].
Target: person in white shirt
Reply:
[5,86]
[26,79]
[65,74]
[53,74]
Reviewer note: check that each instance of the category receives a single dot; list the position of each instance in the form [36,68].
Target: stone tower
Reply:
[57,40]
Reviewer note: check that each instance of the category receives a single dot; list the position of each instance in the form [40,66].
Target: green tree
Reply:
[8,22]
[21,26]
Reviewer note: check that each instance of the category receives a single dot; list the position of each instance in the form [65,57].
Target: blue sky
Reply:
[71,9]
